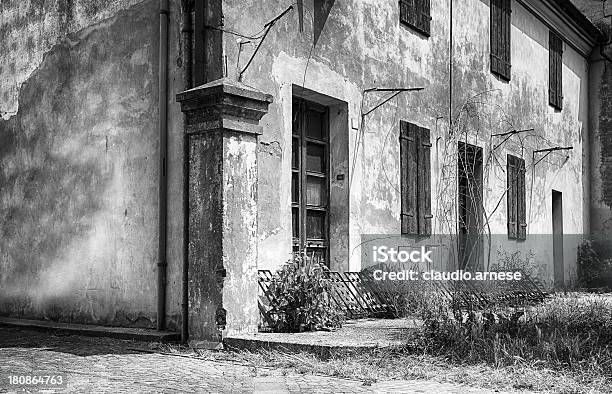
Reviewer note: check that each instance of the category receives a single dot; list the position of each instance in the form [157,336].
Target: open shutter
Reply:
[521,200]
[494,37]
[408,10]
[500,33]
[511,171]
[559,72]
[300,6]
[416,14]
[424,182]
[506,33]
[425,16]
[552,85]
[408,175]
[555,85]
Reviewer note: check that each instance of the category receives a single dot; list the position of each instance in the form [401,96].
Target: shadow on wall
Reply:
[71,161]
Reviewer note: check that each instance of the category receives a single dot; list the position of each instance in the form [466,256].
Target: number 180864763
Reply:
[40,380]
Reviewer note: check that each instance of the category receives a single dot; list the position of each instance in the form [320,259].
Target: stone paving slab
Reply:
[110,366]
[354,336]
[92,330]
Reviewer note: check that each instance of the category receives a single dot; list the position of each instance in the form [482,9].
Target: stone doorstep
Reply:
[253,343]
[138,334]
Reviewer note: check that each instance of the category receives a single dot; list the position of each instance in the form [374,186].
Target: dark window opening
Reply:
[470,196]
[557,227]
[415,179]
[501,26]
[516,197]
[310,180]
[416,14]
[555,83]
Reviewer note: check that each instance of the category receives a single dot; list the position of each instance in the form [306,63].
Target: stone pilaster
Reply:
[221,131]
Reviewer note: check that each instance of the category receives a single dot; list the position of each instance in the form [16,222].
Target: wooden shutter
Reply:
[416,14]
[506,32]
[559,69]
[511,171]
[552,85]
[300,7]
[516,197]
[408,177]
[425,16]
[424,182]
[407,11]
[500,33]
[555,84]
[521,200]
[493,35]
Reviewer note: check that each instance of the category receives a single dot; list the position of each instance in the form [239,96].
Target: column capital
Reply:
[223,105]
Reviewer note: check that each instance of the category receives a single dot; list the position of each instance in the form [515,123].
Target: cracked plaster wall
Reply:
[601,124]
[79,161]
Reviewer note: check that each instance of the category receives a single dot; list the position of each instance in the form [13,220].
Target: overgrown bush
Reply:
[572,332]
[303,298]
[514,261]
[591,269]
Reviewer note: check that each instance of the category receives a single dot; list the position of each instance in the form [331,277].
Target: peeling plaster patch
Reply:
[140,57]
[42,25]
[272,148]
[234,148]
[275,231]
[380,205]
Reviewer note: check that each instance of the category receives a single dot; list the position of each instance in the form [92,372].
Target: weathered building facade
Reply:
[600,12]
[359,90]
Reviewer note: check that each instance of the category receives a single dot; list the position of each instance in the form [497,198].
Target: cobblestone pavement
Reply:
[117,366]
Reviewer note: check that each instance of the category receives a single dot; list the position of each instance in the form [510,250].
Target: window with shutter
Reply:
[516,198]
[555,84]
[415,176]
[417,15]
[501,27]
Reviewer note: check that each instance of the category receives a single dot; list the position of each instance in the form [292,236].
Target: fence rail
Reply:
[357,294]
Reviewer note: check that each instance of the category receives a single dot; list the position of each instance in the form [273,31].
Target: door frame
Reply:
[302,243]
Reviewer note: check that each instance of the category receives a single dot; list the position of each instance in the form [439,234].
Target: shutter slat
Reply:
[493,34]
[418,17]
[560,72]
[507,38]
[424,182]
[500,35]
[408,162]
[416,14]
[551,72]
[426,16]
[555,85]
[521,201]
[511,197]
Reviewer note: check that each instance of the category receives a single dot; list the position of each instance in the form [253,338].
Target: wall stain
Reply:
[74,156]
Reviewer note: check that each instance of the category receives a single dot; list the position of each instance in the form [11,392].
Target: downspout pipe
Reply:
[162,263]
[187,34]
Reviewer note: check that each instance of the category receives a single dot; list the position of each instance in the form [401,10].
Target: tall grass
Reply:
[567,332]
